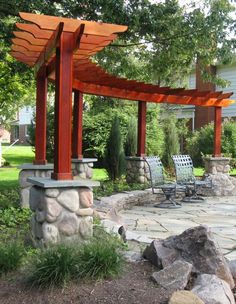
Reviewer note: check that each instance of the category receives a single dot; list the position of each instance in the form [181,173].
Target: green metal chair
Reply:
[157,178]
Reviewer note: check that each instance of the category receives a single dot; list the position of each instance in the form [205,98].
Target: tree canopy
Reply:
[161,45]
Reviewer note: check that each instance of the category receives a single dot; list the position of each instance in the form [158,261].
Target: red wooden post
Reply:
[63,108]
[218,130]
[141,128]
[77,125]
[41,118]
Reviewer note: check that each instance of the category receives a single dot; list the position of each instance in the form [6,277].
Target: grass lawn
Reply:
[16,156]
[100,174]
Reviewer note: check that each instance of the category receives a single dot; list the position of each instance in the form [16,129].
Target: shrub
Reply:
[171,140]
[114,158]
[97,259]
[9,198]
[201,141]
[53,266]
[11,255]
[131,138]
[100,259]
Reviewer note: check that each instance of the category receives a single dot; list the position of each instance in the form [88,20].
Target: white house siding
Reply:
[192,81]
[25,115]
[228,73]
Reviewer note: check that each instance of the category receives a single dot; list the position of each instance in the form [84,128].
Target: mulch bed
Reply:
[134,286]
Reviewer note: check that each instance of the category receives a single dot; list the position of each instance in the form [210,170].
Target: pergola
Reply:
[60,49]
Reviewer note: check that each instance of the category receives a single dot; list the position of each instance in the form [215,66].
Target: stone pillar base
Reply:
[82,168]
[31,170]
[62,211]
[137,170]
[217,170]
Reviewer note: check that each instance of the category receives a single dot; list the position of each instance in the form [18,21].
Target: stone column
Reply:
[217,170]
[83,168]
[137,170]
[62,210]
[31,170]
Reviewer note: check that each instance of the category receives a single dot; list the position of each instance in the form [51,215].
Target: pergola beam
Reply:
[77,125]
[217,131]
[142,108]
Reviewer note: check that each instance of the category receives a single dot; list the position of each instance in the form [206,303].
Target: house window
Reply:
[16,132]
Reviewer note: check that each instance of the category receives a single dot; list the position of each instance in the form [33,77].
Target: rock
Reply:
[69,199]
[86,227]
[173,277]
[213,290]
[40,216]
[85,197]
[35,198]
[25,194]
[52,192]
[69,224]
[53,209]
[50,234]
[132,256]
[184,297]
[160,255]
[197,246]
[232,267]
[23,175]
[85,212]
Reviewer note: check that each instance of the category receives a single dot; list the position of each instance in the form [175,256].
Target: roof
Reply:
[36,42]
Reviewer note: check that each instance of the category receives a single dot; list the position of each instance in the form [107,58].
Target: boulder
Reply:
[213,290]
[184,297]
[69,199]
[232,267]
[160,255]
[196,246]
[175,276]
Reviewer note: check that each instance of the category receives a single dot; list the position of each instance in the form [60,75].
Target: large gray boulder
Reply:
[213,290]
[196,246]
[173,277]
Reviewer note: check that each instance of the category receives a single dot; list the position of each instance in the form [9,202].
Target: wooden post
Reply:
[141,128]
[41,118]
[77,125]
[63,108]
[217,131]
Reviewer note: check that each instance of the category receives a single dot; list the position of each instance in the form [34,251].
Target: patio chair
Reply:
[185,176]
[158,182]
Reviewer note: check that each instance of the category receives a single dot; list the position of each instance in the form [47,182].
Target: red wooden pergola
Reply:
[60,49]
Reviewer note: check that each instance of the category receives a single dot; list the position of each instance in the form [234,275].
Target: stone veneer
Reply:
[62,210]
[137,170]
[31,170]
[82,168]
[217,170]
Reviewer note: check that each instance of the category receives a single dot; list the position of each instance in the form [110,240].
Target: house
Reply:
[19,127]
[200,116]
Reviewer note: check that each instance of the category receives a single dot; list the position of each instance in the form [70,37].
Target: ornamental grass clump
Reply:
[11,256]
[56,266]
[100,260]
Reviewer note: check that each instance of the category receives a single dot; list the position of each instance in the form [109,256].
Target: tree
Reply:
[114,157]
[131,137]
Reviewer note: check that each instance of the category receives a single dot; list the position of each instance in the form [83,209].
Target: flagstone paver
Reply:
[219,213]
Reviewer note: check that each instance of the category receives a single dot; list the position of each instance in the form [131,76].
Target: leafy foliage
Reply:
[9,198]
[114,157]
[57,265]
[201,142]
[131,138]
[11,256]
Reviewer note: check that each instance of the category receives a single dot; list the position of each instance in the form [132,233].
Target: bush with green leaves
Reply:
[114,156]
[97,259]
[131,138]
[9,198]
[201,142]
[11,256]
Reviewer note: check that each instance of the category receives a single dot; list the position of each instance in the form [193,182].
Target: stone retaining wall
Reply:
[137,170]
[82,170]
[61,214]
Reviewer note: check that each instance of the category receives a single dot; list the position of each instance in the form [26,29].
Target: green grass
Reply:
[100,174]
[16,156]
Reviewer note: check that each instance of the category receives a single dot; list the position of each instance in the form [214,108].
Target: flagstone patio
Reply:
[145,223]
